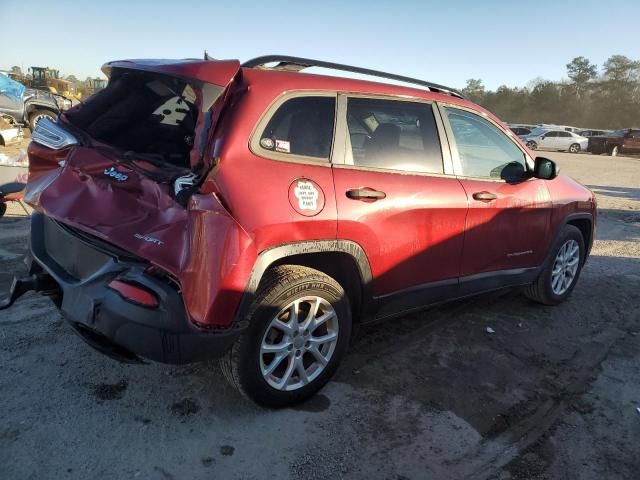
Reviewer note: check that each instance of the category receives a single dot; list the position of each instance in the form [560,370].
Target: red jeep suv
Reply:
[198,209]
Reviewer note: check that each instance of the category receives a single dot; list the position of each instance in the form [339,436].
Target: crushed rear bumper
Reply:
[83,267]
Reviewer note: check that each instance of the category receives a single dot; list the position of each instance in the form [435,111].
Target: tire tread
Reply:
[269,289]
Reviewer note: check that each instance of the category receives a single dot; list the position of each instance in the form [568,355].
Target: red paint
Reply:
[411,237]
[508,232]
[428,228]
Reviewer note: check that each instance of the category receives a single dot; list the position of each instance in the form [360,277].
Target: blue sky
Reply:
[501,42]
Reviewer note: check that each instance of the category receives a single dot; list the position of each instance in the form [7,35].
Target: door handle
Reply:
[484,196]
[365,194]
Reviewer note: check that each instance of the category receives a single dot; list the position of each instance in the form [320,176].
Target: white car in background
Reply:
[555,140]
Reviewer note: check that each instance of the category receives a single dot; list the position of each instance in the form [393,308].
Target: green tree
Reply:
[619,68]
[474,90]
[618,96]
[581,71]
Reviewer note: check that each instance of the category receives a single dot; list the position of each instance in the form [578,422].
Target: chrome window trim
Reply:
[394,172]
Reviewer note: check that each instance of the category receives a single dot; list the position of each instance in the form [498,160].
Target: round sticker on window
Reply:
[306,197]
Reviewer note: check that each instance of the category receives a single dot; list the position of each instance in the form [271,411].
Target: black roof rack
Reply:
[295,64]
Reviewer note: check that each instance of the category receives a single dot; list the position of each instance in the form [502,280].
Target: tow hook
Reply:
[37,282]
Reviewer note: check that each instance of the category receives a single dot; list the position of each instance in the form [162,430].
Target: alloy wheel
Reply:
[299,343]
[565,267]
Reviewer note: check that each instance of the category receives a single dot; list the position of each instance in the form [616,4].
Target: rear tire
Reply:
[290,302]
[615,150]
[38,115]
[3,209]
[546,288]
[532,145]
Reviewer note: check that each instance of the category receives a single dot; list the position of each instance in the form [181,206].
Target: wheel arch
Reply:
[584,223]
[343,260]
[33,107]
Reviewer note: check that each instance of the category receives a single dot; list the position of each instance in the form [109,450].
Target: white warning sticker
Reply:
[307,196]
[283,146]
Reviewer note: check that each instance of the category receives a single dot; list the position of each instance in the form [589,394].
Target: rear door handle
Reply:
[484,196]
[365,194]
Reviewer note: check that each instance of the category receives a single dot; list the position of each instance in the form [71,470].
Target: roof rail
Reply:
[295,64]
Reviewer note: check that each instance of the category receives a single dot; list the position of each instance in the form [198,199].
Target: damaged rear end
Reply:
[120,231]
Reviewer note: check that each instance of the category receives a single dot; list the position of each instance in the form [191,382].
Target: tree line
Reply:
[606,98]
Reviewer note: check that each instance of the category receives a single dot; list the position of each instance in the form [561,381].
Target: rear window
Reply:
[301,126]
[146,115]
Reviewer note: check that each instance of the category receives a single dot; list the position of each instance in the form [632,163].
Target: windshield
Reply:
[145,115]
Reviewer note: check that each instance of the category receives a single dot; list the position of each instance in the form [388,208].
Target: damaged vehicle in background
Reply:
[22,106]
[202,209]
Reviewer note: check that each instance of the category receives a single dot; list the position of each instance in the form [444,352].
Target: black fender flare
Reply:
[272,255]
[570,217]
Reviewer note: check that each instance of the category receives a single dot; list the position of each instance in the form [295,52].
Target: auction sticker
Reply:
[306,197]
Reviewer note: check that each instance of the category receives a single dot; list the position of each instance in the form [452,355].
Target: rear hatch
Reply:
[122,165]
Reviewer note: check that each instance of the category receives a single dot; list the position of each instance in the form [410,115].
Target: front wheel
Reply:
[614,151]
[3,209]
[574,148]
[300,324]
[561,271]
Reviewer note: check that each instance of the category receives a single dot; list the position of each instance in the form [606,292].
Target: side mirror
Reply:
[545,169]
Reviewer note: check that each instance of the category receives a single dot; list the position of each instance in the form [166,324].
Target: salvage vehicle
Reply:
[25,106]
[200,209]
[560,140]
[624,140]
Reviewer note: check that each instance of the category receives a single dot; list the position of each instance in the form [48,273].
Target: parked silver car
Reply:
[555,140]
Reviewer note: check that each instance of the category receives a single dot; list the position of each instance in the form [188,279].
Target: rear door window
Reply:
[301,126]
[393,135]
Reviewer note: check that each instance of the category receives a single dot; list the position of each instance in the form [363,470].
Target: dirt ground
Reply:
[551,394]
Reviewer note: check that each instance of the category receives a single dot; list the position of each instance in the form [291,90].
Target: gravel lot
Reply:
[551,394]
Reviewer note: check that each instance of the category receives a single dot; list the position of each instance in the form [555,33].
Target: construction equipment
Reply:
[48,79]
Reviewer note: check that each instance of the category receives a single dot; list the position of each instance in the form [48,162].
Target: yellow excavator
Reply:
[48,79]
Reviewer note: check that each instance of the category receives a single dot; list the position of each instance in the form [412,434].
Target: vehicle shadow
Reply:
[630,193]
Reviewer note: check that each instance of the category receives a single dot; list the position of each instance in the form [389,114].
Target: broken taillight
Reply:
[134,293]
